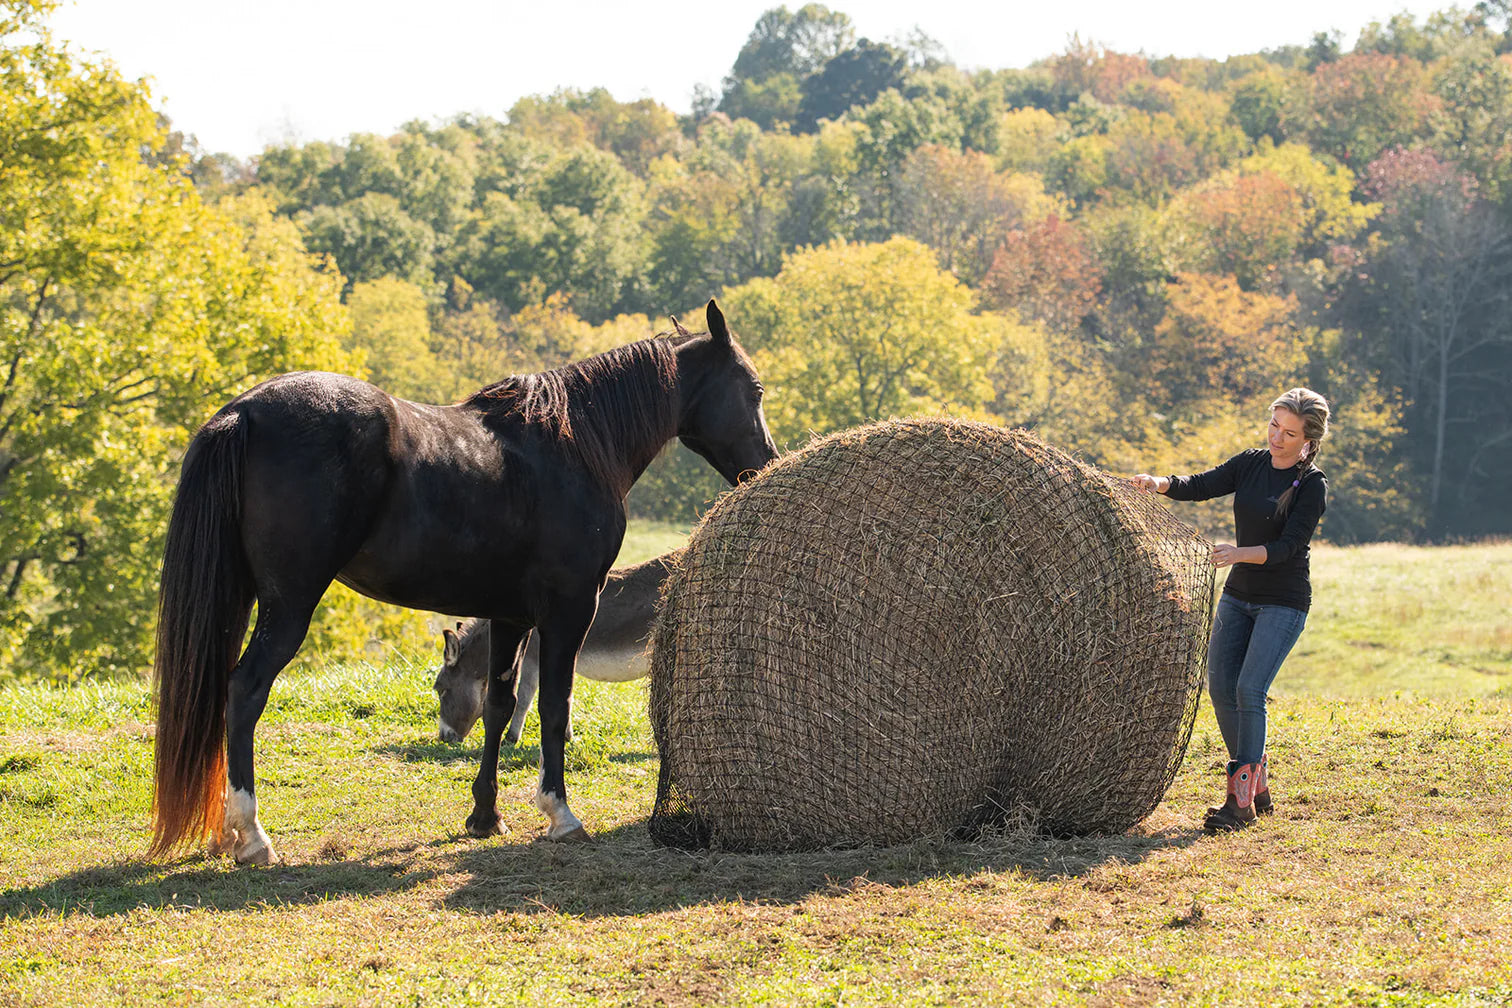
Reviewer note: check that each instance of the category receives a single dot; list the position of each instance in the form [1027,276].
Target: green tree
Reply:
[571,221]
[783,50]
[371,237]
[126,308]
[1473,122]
[1264,103]
[851,78]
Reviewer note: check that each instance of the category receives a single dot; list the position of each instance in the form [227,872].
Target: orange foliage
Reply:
[1220,341]
[1086,67]
[1047,272]
[1246,228]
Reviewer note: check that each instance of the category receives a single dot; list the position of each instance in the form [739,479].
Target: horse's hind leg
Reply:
[279,631]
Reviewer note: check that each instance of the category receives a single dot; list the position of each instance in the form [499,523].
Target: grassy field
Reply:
[1384,879]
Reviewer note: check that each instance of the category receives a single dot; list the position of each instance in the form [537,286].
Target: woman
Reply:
[1279,495]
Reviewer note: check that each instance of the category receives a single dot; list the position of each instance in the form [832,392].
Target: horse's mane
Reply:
[594,406]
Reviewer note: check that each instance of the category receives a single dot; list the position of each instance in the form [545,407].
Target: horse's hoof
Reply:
[485,826]
[577,835]
[512,737]
[262,855]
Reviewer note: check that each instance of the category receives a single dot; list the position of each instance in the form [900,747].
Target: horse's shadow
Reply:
[517,757]
[619,872]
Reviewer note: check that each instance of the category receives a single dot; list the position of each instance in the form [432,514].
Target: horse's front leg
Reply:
[505,645]
[561,640]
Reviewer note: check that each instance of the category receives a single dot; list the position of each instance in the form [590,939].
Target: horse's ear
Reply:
[716,322]
[452,647]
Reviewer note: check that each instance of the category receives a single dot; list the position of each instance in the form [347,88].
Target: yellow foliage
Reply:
[1027,138]
[848,333]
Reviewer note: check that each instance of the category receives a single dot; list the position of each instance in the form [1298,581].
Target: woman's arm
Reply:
[1301,521]
[1225,554]
[1218,481]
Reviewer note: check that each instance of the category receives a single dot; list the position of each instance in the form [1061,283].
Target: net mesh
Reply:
[918,627]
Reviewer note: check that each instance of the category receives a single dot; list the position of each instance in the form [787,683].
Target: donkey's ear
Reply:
[716,322]
[451,648]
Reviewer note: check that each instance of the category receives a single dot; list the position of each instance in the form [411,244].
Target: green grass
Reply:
[644,540]
[1385,878]
[1389,618]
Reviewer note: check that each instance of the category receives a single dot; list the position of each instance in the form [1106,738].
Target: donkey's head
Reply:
[460,682]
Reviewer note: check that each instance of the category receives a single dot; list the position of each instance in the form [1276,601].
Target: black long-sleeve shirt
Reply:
[1256,484]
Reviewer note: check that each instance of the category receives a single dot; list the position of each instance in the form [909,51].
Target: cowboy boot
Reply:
[1238,809]
[1263,805]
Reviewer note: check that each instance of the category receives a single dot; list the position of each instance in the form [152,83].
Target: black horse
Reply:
[508,506]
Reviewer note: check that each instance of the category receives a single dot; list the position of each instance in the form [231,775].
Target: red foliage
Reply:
[1047,272]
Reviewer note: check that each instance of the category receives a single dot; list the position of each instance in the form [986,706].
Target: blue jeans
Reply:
[1248,645]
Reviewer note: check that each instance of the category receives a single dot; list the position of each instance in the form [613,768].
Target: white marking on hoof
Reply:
[251,843]
[564,825]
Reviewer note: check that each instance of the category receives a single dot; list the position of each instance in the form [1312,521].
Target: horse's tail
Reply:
[204,602]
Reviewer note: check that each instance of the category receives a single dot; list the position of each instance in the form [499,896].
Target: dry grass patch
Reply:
[1385,877]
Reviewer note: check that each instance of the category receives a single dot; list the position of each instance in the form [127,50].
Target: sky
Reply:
[241,75]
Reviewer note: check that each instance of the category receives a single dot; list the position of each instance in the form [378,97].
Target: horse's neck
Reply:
[637,443]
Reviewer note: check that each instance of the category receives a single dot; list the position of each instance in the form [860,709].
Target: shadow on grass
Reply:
[450,753]
[619,872]
[526,757]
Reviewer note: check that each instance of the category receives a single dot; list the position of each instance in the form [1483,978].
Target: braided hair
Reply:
[1313,410]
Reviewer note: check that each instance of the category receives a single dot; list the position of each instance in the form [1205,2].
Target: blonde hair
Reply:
[1314,413]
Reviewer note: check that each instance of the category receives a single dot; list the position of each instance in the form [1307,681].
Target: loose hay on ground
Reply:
[914,627]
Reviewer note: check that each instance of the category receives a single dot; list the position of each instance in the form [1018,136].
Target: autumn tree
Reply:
[1245,225]
[1219,342]
[1366,102]
[1047,273]
[391,336]
[637,132]
[1088,68]
[1433,306]
[956,203]
[850,333]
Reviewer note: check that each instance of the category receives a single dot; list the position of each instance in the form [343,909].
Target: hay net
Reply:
[919,627]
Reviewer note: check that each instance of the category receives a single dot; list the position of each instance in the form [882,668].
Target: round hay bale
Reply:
[916,627]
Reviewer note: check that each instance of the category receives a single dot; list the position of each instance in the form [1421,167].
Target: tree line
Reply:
[1129,254]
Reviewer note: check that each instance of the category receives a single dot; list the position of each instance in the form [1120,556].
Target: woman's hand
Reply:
[1225,554]
[1152,484]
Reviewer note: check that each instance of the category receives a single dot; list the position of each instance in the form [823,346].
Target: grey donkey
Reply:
[614,651]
